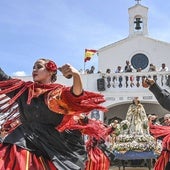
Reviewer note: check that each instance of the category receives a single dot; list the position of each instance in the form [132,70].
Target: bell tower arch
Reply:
[138,19]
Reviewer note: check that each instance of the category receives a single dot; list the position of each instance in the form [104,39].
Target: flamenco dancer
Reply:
[38,125]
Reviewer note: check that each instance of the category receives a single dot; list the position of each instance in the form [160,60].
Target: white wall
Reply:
[117,53]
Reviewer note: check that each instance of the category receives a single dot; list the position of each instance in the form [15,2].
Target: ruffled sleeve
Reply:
[93,128]
[63,101]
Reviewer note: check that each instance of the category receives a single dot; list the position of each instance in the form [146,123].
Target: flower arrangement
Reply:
[124,124]
[125,138]
[144,138]
[134,142]
[51,66]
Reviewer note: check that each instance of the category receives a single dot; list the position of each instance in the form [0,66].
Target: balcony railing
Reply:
[134,79]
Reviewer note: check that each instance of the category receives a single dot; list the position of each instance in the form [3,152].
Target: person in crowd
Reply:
[87,71]
[159,131]
[167,119]
[108,77]
[152,118]
[152,68]
[119,69]
[138,77]
[163,68]
[128,68]
[137,118]
[34,116]
[108,71]
[120,78]
[91,71]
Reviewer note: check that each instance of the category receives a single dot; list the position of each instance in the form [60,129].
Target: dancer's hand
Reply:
[68,71]
[147,82]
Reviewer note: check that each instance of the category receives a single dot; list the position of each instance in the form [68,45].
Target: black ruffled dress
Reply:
[35,144]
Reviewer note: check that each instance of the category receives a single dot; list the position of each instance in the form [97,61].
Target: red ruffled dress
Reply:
[163,132]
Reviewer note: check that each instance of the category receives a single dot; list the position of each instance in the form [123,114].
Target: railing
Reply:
[134,80]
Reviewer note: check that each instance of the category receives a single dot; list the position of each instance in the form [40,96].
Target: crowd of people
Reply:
[131,80]
[129,68]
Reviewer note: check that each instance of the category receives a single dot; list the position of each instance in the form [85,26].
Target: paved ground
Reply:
[139,165]
[129,168]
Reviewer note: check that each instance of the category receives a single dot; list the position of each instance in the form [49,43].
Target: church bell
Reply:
[138,22]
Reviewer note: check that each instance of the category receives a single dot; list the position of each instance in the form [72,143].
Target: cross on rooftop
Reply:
[137,1]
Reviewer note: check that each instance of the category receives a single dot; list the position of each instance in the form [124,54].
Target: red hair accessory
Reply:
[51,66]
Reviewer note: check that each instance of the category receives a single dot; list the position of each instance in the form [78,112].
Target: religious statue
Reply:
[134,131]
[137,118]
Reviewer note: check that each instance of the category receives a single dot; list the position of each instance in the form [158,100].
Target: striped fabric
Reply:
[97,160]
[13,157]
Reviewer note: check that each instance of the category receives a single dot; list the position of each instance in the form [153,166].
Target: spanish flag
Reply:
[89,54]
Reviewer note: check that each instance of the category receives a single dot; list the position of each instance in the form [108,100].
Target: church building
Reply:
[140,49]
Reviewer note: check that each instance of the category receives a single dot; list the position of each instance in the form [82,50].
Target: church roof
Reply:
[138,5]
[125,40]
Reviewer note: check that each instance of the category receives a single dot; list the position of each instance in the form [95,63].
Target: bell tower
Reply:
[138,19]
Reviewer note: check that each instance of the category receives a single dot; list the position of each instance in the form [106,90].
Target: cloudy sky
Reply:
[61,29]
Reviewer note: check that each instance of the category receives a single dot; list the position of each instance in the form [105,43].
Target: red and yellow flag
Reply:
[89,54]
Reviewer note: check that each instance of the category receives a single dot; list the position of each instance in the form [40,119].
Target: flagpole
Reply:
[84,60]
[84,66]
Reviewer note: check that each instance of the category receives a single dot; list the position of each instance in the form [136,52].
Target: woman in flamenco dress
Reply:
[38,129]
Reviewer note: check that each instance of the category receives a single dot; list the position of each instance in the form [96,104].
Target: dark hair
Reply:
[108,70]
[54,75]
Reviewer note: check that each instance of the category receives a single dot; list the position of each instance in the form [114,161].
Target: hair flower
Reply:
[51,66]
